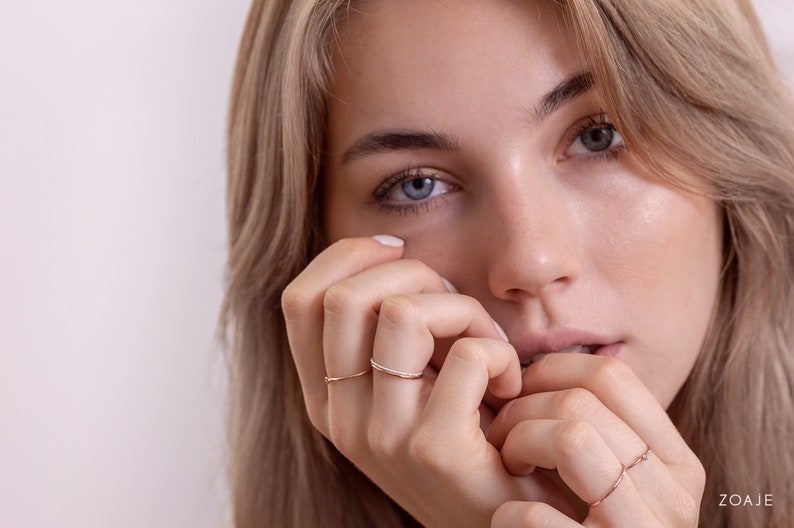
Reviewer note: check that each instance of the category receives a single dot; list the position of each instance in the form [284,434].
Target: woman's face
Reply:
[469,130]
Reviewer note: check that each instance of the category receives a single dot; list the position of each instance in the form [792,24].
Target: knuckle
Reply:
[423,448]
[575,438]
[345,440]
[507,414]
[526,513]
[470,349]
[340,297]
[383,443]
[420,448]
[575,403]
[614,372]
[295,302]
[698,475]
[417,267]
[537,513]
[397,311]
[686,508]
[316,419]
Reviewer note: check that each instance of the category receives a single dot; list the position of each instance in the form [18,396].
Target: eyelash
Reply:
[412,173]
[382,192]
[589,123]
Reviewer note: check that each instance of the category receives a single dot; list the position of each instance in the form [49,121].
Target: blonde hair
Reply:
[693,89]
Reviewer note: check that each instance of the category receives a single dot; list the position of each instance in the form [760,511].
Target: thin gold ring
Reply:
[340,378]
[614,487]
[640,458]
[397,373]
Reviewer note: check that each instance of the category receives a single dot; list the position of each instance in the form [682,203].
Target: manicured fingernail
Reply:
[388,240]
[501,332]
[450,287]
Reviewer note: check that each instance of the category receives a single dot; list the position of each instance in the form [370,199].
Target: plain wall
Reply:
[112,242]
[111,258]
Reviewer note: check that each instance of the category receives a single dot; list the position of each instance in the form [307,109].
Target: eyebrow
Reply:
[399,140]
[562,94]
[391,140]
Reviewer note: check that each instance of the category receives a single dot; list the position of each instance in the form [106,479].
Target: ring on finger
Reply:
[396,373]
[613,488]
[329,380]
[640,458]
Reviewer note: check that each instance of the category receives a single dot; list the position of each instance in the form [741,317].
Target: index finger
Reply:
[302,299]
[616,385]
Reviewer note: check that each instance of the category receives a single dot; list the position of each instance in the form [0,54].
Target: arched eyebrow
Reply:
[385,141]
[562,94]
[391,140]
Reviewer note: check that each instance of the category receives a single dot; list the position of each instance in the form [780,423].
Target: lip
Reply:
[549,341]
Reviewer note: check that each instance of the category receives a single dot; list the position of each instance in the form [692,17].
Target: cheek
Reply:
[668,246]
[664,262]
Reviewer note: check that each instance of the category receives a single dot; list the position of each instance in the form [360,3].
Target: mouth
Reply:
[573,349]
[534,346]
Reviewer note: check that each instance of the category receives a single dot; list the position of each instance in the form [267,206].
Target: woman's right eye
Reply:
[418,189]
[411,187]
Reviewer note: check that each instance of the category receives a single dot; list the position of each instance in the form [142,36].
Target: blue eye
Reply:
[598,139]
[418,188]
[594,137]
[413,186]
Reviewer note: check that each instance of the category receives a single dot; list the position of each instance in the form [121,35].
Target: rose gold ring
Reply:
[340,378]
[396,373]
[614,487]
[640,458]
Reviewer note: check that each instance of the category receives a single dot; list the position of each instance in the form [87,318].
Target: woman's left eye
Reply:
[594,137]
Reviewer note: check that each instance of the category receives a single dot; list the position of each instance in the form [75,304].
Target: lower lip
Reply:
[609,350]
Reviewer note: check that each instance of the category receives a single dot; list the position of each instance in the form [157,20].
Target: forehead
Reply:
[426,63]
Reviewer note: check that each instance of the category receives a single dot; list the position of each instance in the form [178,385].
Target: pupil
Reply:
[597,139]
[418,188]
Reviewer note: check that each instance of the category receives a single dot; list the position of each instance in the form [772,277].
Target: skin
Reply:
[557,243]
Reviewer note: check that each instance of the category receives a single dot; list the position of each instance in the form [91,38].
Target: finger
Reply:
[569,404]
[351,308]
[404,340]
[350,317]
[302,305]
[472,366]
[574,448]
[618,387]
[516,514]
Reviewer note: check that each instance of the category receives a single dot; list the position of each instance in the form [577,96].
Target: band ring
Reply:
[640,458]
[396,373]
[614,487]
[643,457]
[340,378]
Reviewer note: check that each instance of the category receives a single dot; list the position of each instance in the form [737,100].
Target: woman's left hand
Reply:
[590,417]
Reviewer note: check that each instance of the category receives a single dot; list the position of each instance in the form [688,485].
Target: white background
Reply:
[112,117]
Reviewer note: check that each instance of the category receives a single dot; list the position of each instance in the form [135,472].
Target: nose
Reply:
[535,241]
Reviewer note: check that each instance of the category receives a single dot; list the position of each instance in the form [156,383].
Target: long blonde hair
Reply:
[693,89]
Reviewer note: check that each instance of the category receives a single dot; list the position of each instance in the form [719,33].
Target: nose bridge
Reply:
[535,237]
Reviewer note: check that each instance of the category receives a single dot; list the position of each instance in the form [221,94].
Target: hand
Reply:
[418,439]
[587,416]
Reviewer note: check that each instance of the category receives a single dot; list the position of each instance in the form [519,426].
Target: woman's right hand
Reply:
[420,440]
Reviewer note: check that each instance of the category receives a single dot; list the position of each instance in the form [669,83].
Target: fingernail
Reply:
[388,240]
[501,332]
[450,287]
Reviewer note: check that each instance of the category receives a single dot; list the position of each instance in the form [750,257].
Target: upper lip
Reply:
[554,340]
